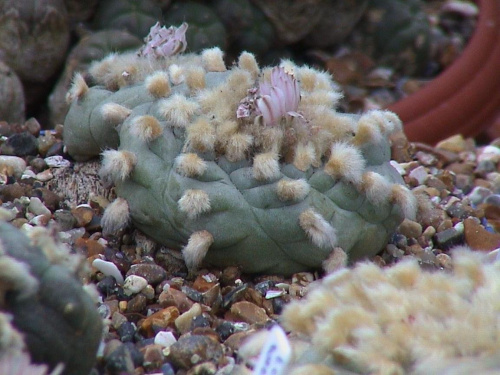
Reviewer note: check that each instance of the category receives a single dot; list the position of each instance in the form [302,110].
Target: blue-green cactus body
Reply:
[242,217]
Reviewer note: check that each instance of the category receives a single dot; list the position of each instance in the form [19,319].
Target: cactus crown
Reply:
[270,138]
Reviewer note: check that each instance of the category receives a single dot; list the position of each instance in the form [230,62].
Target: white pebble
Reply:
[18,165]
[109,269]
[44,176]
[398,167]
[420,174]
[37,207]
[165,339]
[134,284]
[57,161]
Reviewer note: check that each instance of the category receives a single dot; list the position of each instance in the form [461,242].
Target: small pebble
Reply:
[249,313]
[37,207]
[108,268]
[57,161]
[134,284]
[165,338]
[183,322]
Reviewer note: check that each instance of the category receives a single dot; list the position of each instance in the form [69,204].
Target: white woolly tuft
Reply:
[201,135]
[346,162]
[116,165]
[321,233]
[194,202]
[266,166]
[247,62]
[176,74]
[116,216]
[404,197]
[213,59]
[16,275]
[196,248]
[292,190]
[335,261]
[158,84]
[114,113]
[368,131]
[237,145]
[304,156]
[387,121]
[376,188]
[178,109]
[78,88]
[190,165]
[146,128]
[195,78]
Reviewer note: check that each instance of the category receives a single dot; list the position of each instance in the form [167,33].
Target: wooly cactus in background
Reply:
[43,307]
[398,320]
[241,166]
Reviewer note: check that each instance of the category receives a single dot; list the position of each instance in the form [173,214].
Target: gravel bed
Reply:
[159,319]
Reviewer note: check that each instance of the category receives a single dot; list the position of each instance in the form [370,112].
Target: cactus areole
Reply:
[243,166]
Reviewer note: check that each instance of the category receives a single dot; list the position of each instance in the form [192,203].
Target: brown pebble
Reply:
[83,215]
[410,228]
[248,312]
[192,350]
[202,283]
[153,273]
[478,238]
[206,368]
[153,356]
[174,297]
[88,247]
[137,304]
[160,319]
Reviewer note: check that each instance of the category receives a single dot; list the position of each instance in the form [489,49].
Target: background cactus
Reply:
[398,35]
[46,302]
[136,17]
[230,166]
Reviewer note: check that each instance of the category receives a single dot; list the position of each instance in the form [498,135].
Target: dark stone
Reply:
[195,347]
[107,286]
[192,294]
[137,356]
[56,149]
[233,295]
[126,332]
[153,273]
[118,359]
[448,238]
[225,329]
[264,286]
[199,321]
[167,369]
[20,144]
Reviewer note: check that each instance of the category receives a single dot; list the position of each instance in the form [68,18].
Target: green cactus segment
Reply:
[59,321]
[136,17]
[205,28]
[267,185]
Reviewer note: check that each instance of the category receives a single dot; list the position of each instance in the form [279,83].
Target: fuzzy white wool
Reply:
[402,318]
[196,248]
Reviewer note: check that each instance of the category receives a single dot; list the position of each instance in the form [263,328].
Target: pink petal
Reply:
[264,104]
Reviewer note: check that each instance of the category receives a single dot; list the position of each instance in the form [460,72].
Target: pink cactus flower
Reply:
[272,100]
[278,98]
[165,42]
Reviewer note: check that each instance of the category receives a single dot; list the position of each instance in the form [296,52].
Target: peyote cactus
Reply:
[242,166]
[133,16]
[43,305]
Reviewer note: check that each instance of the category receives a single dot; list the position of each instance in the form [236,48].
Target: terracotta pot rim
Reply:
[465,98]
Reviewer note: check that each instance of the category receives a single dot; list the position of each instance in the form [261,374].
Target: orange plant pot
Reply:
[465,98]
